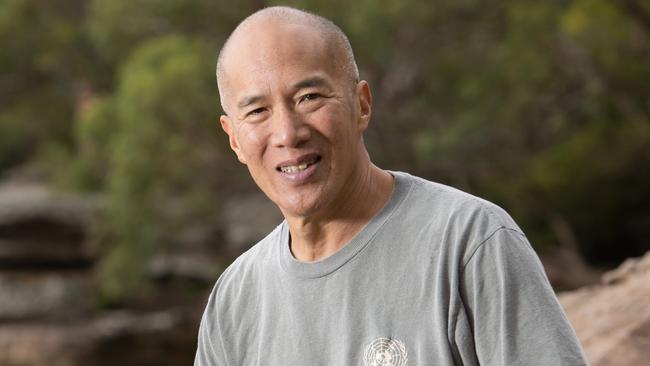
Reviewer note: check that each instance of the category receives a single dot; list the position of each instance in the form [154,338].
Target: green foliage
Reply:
[95,130]
[40,47]
[605,190]
[527,103]
[162,159]
[539,106]
[117,27]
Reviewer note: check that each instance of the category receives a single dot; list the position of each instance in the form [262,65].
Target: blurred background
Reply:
[120,202]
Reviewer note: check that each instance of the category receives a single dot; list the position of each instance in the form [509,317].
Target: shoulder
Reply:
[245,272]
[453,205]
[253,260]
[460,218]
[238,285]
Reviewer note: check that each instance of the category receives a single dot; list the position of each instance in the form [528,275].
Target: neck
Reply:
[316,238]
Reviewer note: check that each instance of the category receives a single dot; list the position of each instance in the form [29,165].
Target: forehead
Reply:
[268,55]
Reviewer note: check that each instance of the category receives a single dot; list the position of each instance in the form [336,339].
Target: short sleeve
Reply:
[512,309]
[209,351]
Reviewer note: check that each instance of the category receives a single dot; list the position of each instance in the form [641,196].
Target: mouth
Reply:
[299,166]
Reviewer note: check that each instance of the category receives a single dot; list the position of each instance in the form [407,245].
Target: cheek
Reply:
[332,121]
[342,129]
[252,141]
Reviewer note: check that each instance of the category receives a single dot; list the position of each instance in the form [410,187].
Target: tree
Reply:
[164,163]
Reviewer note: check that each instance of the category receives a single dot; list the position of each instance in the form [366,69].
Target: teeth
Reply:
[296,168]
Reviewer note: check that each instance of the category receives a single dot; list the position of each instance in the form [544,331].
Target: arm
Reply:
[512,309]
[209,350]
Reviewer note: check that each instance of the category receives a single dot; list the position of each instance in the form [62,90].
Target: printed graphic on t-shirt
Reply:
[385,352]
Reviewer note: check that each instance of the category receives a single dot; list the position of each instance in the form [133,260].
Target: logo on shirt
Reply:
[385,352]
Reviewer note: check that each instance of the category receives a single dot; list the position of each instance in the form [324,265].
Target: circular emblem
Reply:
[385,352]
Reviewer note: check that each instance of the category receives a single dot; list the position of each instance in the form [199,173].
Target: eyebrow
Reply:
[310,82]
[246,101]
[314,81]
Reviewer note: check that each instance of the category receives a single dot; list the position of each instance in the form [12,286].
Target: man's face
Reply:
[294,119]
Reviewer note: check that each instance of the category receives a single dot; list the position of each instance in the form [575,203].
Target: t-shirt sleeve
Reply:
[209,351]
[512,309]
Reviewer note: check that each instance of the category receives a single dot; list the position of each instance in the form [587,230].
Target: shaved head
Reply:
[337,42]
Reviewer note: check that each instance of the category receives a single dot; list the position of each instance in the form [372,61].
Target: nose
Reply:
[289,129]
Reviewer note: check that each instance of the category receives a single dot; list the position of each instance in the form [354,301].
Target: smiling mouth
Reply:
[297,168]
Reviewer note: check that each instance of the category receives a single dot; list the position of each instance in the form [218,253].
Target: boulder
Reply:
[28,295]
[612,319]
[247,219]
[45,257]
[41,228]
[112,338]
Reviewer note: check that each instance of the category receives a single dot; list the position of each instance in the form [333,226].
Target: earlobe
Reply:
[226,125]
[365,104]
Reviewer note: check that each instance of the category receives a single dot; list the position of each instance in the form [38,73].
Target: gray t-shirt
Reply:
[438,277]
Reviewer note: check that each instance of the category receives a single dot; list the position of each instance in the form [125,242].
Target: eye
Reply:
[310,96]
[255,112]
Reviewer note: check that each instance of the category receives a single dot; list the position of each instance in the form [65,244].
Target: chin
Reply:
[299,211]
[300,208]
[304,202]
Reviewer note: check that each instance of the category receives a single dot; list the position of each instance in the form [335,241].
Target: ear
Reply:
[365,104]
[227,126]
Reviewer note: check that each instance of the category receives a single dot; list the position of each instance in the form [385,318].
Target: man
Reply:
[369,267]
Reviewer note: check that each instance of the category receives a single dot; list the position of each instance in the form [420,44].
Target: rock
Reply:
[247,219]
[45,258]
[29,295]
[24,201]
[39,227]
[48,297]
[195,267]
[612,319]
[567,270]
[630,268]
[112,338]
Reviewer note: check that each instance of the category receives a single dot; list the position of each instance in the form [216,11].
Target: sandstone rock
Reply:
[193,267]
[247,219]
[612,319]
[39,227]
[112,338]
[48,298]
[45,258]
[30,295]
[19,202]
[566,269]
